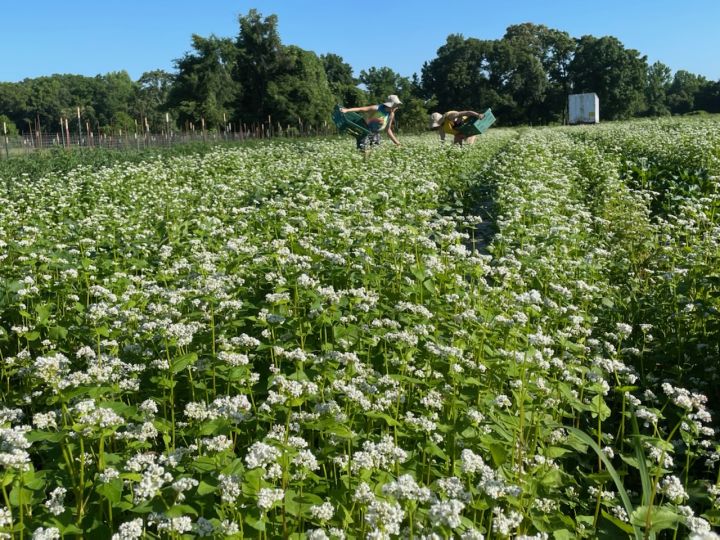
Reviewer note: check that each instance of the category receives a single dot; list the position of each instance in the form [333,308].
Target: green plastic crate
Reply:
[351,122]
[477,126]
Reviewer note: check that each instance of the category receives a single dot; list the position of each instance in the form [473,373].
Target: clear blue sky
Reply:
[42,37]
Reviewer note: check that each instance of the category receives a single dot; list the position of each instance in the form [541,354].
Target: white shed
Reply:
[584,108]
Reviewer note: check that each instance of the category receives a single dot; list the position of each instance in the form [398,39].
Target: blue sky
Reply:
[43,37]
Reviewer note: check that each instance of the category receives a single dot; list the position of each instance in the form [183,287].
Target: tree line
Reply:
[225,83]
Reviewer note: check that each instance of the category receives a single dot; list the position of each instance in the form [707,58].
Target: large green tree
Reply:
[259,60]
[153,91]
[14,98]
[462,76]
[299,94]
[204,88]
[48,99]
[683,90]
[115,100]
[518,75]
[616,74]
[658,82]
[343,84]
[544,87]
[7,126]
[708,97]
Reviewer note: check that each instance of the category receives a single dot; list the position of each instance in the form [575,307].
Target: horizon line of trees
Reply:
[222,83]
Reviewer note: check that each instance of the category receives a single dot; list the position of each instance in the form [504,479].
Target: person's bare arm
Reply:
[390,133]
[471,113]
[367,108]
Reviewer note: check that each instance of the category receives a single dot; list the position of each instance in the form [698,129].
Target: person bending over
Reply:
[449,123]
[378,118]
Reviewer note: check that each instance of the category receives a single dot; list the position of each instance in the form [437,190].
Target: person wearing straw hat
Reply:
[378,118]
[450,121]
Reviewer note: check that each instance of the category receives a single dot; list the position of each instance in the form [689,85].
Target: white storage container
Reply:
[584,108]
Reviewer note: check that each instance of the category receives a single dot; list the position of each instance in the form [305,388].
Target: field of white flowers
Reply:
[517,339]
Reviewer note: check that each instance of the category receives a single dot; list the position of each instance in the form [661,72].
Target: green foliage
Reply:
[7,126]
[204,89]
[656,92]
[682,91]
[616,74]
[525,77]
[259,61]
[343,84]
[300,93]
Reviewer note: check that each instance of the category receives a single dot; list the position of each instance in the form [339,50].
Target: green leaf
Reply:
[499,454]
[296,504]
[49,436]
[69,529]
[43,313]
[584,437]
[430,286]
[252,482]
[434,450]
[178,510]
[255,521]
[389,419]
[32,336]
[625,527]
[182,362]
[334,428]
[661,518]
[204,464]
[640,462]
[555,452]
[112,490]
[102,331]
[599,407]
[553,478]
[205,489]
[213,427]
[57,333]
[713,516]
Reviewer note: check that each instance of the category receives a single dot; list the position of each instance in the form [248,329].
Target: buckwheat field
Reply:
[516,339]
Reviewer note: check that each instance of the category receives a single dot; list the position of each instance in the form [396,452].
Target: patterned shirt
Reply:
[378,120]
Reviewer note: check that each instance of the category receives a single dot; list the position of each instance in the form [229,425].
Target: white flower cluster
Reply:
[56,503]
[154,476]
[322,512]
[490,481]
[130,530]
[232,408]
[13,448]
[406,488]
[505,524]
[384,517]
[49,533]
[673,489]
[267,497]
[381,455]
[91,417]
[446,513]
[261,454]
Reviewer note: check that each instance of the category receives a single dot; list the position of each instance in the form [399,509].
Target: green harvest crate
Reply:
[352,123]
[477,126]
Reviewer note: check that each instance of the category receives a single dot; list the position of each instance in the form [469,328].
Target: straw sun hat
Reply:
[393,101]
[435,120]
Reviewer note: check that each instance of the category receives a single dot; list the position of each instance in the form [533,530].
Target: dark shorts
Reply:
[366,141]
